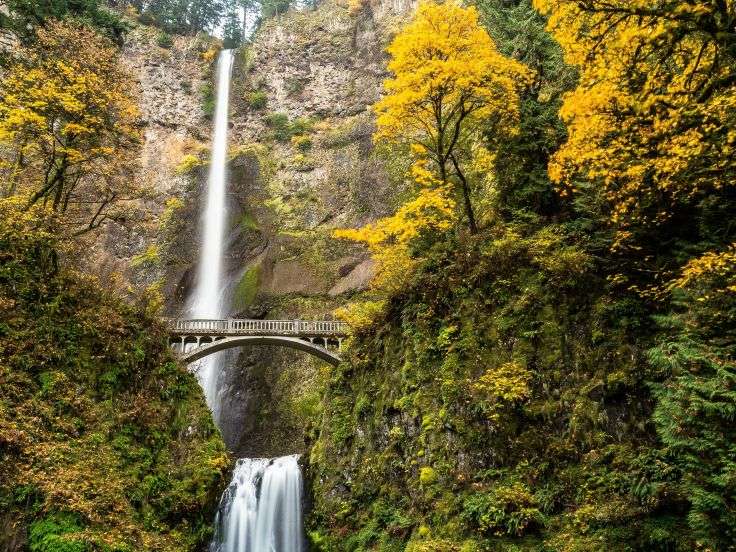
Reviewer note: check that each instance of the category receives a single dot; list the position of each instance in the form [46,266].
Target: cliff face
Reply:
[170,84]
[302,163]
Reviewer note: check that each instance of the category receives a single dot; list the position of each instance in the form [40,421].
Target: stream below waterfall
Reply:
[261,510]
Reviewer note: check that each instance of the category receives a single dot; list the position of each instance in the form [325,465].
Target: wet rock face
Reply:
[300,105]
[168,85]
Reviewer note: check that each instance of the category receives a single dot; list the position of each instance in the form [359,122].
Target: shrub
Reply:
[427,475]
[257,100]
[302,143]
[283,129]
[508,509]
[164,40]
[49,534]
[187,164]
[279,125]
[303,163]
[208,100]
[120,417]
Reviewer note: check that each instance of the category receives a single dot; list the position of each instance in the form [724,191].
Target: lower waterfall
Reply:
[261,510]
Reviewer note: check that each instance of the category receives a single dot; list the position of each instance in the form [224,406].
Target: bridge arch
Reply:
[313,349]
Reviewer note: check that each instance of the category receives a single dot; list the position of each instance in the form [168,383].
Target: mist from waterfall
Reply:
[261,509]
[207,301]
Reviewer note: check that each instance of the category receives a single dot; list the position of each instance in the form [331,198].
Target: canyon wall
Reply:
[302,163]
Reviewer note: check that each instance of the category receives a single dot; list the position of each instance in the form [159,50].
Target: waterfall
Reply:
[261,509]
[207,301]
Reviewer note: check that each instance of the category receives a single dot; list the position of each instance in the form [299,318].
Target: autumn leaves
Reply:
[68,127]
[651,124]
[449,86]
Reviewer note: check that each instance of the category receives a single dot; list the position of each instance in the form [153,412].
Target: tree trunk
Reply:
[468,205]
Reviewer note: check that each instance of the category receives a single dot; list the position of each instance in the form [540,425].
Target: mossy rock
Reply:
[247,288]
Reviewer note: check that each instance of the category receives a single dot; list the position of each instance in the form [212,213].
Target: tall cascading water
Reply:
[206,301]
[261,509]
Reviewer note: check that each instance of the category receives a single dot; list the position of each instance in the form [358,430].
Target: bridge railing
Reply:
[266,327]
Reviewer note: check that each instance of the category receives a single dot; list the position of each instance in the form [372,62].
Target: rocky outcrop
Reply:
[8,40]
[169,84]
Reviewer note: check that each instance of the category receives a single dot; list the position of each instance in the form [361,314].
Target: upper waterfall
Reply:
[207,299]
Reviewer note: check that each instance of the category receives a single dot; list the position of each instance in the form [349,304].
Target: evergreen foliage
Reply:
[26,15]
[232,33]
[183,16]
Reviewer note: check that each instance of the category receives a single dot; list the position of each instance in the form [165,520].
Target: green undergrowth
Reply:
[247,288]
[106,443]
[508,400]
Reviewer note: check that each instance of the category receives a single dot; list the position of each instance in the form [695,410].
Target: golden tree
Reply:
[653,120]
[68,126]
[390,239]
[450,86]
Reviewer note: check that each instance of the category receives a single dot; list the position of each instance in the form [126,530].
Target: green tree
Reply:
[524,187]
[27,14]
[696,394]
[232,31]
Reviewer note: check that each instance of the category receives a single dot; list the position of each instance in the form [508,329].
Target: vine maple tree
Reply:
[450,85]
[653,120]
[68,124]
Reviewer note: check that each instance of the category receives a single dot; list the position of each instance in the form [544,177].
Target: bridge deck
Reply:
[234,327]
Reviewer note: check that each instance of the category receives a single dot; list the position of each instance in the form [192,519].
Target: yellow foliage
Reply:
[211,53]
[653,120]
[361,315]
[449,82]
[68,123]
[355,6]
[187,164]
[390,238]
[507,383]
[713,271]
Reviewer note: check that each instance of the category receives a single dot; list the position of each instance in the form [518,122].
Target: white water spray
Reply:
[207,299]
[261,509]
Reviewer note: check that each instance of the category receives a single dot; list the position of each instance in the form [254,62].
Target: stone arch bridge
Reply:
[198,338]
